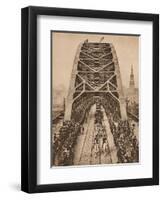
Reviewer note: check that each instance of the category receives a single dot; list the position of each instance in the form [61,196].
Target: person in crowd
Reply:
[104,144]
[96,145]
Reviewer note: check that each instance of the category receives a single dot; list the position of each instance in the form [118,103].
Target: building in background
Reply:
[132,92]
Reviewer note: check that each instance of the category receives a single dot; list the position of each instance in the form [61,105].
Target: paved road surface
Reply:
[86,152]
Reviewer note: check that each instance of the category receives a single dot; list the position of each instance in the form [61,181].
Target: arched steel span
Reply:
[95,74]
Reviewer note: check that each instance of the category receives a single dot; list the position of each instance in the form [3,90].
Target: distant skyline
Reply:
[64,46]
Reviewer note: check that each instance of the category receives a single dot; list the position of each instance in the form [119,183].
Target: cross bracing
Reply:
[95,73]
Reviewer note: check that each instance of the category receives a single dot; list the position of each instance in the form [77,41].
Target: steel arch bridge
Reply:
[95,77]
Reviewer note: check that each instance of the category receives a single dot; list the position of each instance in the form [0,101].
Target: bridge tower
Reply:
[95,73]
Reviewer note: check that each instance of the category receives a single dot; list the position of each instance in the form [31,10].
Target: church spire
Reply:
[132,82]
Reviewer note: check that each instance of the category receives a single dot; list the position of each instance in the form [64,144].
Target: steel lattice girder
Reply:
[95,70]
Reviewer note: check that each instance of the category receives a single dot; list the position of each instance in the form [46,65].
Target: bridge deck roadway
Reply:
[86,152]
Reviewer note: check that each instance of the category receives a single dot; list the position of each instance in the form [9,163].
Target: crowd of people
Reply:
[111,107]
[125,140]
[81,108]
[133,107]
[124,133]
[100,138]
[64,143]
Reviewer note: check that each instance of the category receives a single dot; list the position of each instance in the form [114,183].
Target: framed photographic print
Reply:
[90,99]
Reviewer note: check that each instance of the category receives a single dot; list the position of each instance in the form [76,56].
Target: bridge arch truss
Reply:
[95,76]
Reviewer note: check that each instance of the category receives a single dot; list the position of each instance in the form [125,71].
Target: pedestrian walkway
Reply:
[84,142]
[86,151]
[112,147]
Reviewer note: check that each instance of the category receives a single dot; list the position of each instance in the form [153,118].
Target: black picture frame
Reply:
[29,98]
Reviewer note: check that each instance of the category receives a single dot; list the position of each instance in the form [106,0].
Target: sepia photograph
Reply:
[90,99]
[94,99]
